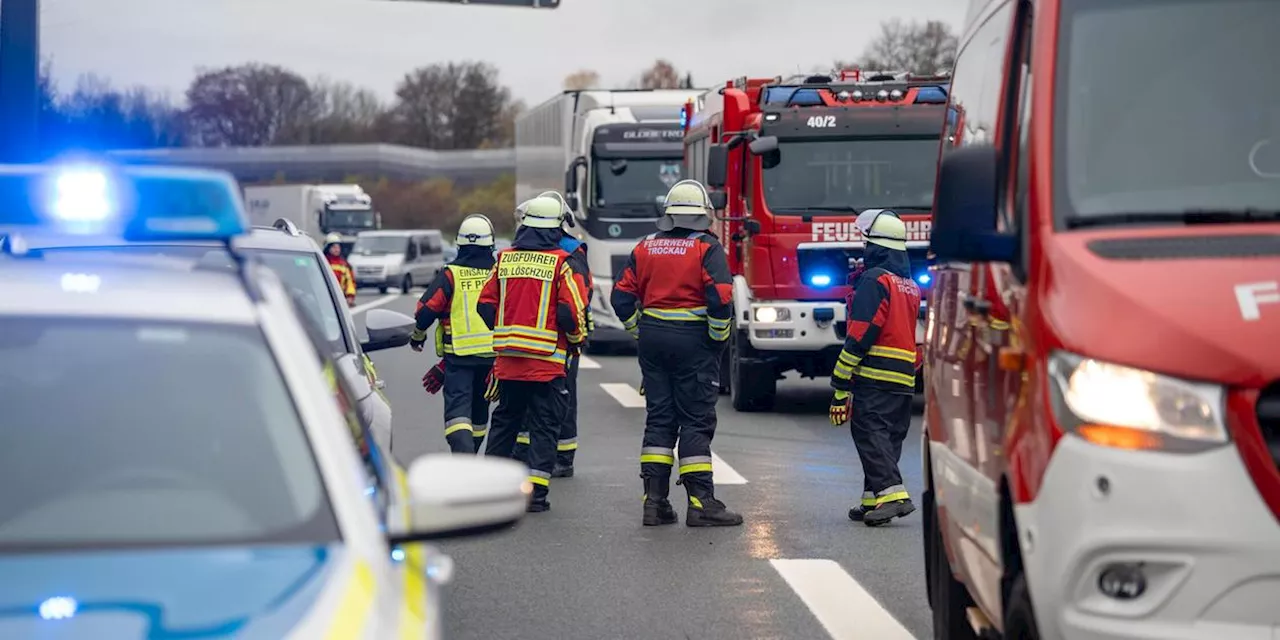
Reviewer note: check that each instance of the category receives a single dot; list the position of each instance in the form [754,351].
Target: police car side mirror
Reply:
[964,215]
[454,496]
[387,330]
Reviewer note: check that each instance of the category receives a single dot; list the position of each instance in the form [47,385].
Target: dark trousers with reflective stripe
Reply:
[466,412]
[535,407]
[681,370]
[879,419]
[567,445]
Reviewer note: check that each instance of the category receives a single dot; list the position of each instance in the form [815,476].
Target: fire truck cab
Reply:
[790,164]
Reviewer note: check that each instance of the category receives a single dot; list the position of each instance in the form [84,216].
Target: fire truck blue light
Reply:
[819,279]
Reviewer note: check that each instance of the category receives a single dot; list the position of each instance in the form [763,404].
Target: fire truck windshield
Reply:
[634,188]
[1205,139]
[837,175]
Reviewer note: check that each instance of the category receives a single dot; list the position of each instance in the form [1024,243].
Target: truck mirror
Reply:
[718,199]
[717,165]
[964,216]
[752,226]
[571,199]
[571,181]
[764,145]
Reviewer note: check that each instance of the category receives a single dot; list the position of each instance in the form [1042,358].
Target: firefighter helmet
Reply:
[475,230]
[687,206]
[565,211]
[540,213]
[883,227]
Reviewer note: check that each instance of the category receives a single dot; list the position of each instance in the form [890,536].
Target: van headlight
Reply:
[1118,406]
[773,314]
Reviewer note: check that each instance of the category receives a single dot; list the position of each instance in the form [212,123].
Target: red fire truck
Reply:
[790,164]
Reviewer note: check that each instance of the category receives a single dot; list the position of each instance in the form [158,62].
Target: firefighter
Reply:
[463,341]
[876,369]
[675,293]
[537,310]
[341,268]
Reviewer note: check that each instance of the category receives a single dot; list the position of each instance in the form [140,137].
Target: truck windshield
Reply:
[1166,107]
[637,187]
[367,245]
[836,176]
[351,219]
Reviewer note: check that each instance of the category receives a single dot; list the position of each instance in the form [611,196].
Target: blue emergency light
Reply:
[924,278]
[820,280]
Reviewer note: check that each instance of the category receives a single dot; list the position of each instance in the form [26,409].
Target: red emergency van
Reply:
[1103,340]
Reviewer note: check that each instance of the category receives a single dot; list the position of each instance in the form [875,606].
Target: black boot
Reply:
[539,503]
[883,513]
[704,509]
[564,465]
[657,508]
[868,503]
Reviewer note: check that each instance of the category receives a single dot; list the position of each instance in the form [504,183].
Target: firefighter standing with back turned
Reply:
[567,445]
[463,341]
[537,311]
[676,292]
[877,366]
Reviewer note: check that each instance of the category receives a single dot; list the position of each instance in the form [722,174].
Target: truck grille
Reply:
[834,261]
[617,263]
[1269,420]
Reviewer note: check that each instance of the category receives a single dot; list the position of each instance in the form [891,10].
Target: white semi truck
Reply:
[614,154]
[316,209]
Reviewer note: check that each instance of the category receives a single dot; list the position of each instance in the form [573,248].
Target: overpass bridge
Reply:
[333,163]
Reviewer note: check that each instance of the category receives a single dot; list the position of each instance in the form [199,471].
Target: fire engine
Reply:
[789,165]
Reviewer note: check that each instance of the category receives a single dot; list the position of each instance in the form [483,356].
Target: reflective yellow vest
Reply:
[468,335]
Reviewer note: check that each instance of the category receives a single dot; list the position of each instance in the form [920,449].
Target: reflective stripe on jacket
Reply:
[538,309]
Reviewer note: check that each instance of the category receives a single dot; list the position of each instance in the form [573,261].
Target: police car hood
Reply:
[1179,315]
[263,592]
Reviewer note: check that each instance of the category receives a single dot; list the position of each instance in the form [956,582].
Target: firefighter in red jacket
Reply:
[876,367]
[537,311]
[676,292]
[341,268]
[463,341]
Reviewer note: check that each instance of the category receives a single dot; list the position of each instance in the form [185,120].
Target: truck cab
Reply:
[791,163]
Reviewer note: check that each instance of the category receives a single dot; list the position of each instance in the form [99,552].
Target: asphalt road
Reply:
[587,570]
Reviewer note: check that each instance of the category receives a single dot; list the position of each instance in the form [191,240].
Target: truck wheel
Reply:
[948,597]
[1019,618]
[597,348]
[382,289]
[752,387]
[406,284]
[726,378]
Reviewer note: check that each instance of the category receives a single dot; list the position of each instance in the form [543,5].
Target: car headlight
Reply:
[1123,407]
[773,314]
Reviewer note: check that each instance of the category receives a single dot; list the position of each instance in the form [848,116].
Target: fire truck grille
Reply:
[1269,419]
[834,262]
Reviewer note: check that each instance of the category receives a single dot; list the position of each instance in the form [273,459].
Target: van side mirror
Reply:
[717,165]
[761,146]
[964,215]
[718,199]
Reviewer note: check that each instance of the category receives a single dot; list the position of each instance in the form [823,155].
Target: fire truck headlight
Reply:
[857,96]
[1117,406]
[772,314]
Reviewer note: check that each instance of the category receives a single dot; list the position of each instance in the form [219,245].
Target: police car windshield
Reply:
[147,433]
[300,271]
[1164,108]
[836,176]
[635,187]
[367,245]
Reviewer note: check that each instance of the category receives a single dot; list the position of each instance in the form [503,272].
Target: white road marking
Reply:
[839,603]
[387,299]
[587,363]
[723,473]
[625,394]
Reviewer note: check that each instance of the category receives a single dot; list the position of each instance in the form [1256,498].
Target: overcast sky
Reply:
[159,43]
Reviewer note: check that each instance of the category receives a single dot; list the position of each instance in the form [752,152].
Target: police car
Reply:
[174,461]
[300,264]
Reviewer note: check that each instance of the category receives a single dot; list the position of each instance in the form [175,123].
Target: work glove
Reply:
[434,379]
[417,339]
[351,301]
[641,387]
[839,410]
[491,387]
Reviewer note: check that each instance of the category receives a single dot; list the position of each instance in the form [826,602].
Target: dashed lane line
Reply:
[587,363]
[628,397]
[387,299]
[841,605]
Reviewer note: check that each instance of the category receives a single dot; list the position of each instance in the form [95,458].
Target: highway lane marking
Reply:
[587,363]
[723,473]
[387,299]
[625,394]
[840,604]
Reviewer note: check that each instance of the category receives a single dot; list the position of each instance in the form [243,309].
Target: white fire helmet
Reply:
[687,206]
[539,213]
[566,212]
[883,227]
[475,230]
[332,238]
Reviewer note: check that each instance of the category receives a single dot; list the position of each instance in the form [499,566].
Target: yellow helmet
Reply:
[540,213]
[883,227]
[475,230]
[688,206]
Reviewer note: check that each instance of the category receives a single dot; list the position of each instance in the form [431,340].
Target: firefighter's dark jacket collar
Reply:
[895,262]
[474,256]
[531,239]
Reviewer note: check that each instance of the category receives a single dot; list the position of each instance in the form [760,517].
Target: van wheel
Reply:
[382,289]
[948,597]
[1019,617]
[406,284]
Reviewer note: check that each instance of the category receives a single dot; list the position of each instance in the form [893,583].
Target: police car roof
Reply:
[258,239]
[149,289]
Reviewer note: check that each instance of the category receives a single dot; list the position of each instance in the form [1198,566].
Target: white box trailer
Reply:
[316,209]
[614,154]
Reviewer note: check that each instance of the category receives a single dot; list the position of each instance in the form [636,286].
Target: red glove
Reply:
[434,379]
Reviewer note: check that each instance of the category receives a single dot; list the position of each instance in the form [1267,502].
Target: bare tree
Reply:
[582,79]
[662,75]
[919,47]
[249,105]
[455,105]
[344,113]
